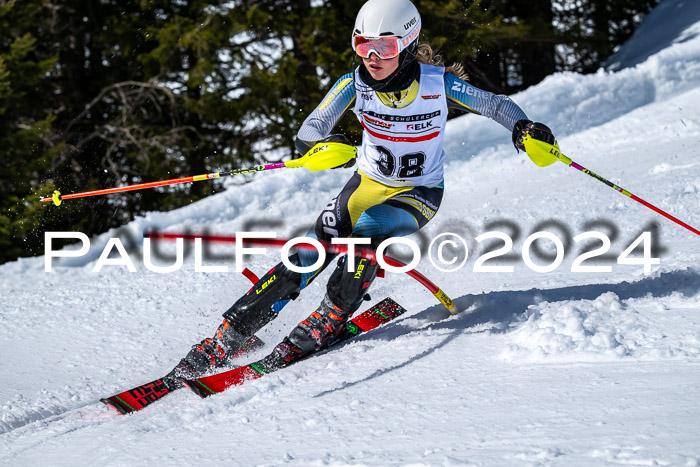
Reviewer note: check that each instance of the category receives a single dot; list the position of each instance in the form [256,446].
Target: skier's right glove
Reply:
[339,138]
[536,130]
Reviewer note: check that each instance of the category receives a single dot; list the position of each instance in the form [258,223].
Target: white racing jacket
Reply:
[403,146]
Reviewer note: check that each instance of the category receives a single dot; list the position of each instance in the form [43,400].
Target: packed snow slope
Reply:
[540,368]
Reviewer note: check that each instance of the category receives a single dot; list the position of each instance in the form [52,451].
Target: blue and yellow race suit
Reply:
[398,186]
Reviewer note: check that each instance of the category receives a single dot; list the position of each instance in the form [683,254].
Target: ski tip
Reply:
[196,387]
[116,405]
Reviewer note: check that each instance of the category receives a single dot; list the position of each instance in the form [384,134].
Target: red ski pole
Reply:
[57,197]
[321,157]
[544,154]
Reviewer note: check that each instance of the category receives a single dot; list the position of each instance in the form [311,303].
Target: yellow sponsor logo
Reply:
[360,268]
[265,284]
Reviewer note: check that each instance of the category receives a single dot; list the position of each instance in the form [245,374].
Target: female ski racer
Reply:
[401,98]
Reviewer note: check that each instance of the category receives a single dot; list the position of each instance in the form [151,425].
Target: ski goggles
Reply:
[384,47]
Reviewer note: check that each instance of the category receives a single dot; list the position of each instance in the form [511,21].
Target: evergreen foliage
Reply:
[95,94]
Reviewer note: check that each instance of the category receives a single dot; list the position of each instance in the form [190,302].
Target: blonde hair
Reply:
[427,55]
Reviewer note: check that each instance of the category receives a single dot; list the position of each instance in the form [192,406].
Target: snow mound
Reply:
[604,329]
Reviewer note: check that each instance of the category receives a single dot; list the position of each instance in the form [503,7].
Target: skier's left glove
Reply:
[536,130]
[340,138]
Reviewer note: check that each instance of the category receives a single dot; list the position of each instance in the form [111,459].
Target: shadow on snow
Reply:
[495,311]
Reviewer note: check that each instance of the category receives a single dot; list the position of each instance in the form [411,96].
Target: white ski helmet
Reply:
[386,19]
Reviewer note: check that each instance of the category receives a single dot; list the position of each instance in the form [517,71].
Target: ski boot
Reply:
[249,314]
[345,292]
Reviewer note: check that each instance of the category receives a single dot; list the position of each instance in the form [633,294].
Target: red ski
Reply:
[142,396]
[382,312]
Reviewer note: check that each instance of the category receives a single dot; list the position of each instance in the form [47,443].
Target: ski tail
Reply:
[140,397]
[382,312]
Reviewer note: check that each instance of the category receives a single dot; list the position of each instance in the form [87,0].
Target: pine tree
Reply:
[103,93]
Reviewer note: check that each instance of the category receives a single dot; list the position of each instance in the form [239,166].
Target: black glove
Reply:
[536,130]
[340,138]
